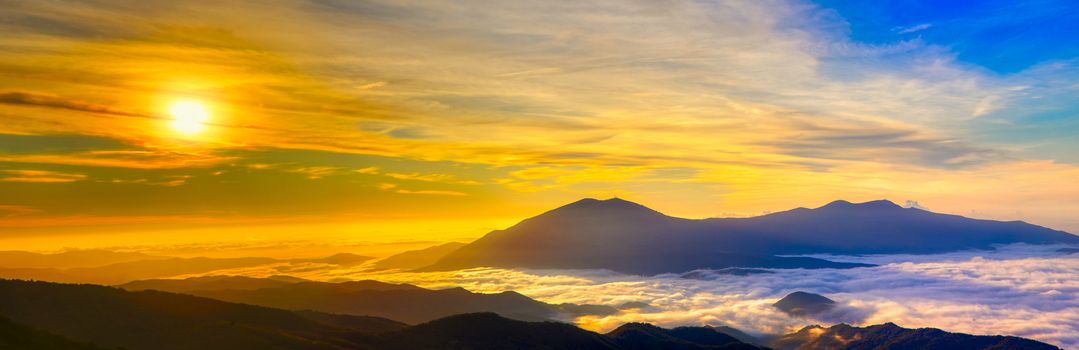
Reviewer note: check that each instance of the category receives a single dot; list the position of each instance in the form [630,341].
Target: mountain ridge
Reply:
[627,237]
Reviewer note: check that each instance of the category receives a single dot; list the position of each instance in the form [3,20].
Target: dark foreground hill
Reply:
[404,302]
[889,336]
[112,317]
[15,336]
[643,336]
[627,237]
[115,318]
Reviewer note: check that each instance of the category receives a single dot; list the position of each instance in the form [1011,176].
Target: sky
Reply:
[391,121]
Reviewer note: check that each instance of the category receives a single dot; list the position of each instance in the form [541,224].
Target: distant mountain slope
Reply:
[882,227]
[415,259]
[340,259]
[135,268]
[892,337]
[164,321]
[15,336]
[404,302]
[69,259]
[627,237]
[210,283]
[737,334]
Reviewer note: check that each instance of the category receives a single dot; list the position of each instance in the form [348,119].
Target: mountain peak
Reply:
[615,205]
[877,204]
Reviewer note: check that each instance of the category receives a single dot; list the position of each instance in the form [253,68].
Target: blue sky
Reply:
[1002,36]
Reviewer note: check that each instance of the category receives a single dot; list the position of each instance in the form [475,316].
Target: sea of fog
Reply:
[1028,291]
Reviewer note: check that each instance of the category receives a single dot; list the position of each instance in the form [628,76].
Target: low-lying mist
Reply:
[1028,291]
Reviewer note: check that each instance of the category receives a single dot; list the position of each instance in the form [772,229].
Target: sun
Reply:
[189,116]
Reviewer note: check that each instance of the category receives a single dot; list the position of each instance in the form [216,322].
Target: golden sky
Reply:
[391,120]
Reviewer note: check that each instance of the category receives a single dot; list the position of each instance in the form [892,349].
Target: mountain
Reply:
[134,270]
[882,227]
[15,259]
[486,331]
[188,285]
[415,259]
[112,317]
[134,266]
[489,331]
[402,302]
[804,304]
[340,259]
[16,336]
[889,336]
[737,334]
[627,237]
[643,336]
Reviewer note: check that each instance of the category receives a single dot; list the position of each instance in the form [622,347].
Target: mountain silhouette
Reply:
[627,237]
[133,270]
[137,266]
[403,302]
[210,283]
[116,318]
[804,304]
[69,259]
[490,331]
[414,259]
[643,336]
[112,317]
[889,336]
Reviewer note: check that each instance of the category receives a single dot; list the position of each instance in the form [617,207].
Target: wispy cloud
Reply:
[49,101]
[39,176]
[913,28]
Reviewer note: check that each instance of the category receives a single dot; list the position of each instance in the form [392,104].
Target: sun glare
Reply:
[189,116]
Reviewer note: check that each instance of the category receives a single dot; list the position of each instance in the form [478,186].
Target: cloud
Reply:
[904,146]
[420,177]
[1018,290]
[914,204]
[913,28]
[39,176]
[50,101]
[316,172]
[432,192]
[16,210]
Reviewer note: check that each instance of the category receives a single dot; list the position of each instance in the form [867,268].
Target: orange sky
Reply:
[430,122]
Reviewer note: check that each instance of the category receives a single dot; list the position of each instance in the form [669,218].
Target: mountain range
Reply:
[105,267]
[627,237]
[68,316]
[891,336]
[403,302]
